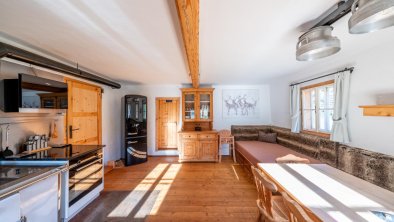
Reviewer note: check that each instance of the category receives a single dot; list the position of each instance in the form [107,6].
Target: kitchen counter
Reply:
[64,153]
[85,161]
[16,177]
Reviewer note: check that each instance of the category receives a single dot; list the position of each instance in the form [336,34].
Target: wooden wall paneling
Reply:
[188,13]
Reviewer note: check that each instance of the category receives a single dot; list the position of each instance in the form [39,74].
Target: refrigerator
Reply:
[135,129]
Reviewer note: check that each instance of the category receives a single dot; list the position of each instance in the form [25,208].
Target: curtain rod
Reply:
[343,70]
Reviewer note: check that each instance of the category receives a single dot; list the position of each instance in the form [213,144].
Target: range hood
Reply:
[33,94]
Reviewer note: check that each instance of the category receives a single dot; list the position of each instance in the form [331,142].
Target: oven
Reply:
[85,174]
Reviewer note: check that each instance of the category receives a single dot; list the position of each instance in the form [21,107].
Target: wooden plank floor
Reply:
[164,190]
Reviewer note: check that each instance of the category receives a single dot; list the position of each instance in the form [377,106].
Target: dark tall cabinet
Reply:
[135,129]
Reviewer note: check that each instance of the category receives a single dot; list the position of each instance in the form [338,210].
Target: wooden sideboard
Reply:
[197,146]
[197,113]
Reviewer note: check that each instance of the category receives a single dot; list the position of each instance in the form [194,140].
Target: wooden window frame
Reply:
[312,132]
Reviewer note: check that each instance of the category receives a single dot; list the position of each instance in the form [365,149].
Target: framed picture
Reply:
[241,103]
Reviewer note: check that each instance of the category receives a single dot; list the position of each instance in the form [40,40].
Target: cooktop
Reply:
[67,152]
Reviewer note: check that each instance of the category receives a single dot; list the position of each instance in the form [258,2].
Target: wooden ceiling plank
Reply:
[188,13]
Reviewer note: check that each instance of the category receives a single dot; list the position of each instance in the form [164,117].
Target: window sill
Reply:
[324,135]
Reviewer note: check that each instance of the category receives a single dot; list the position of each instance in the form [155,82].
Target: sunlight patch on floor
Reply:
[128,204]
[156,198]
[235,172]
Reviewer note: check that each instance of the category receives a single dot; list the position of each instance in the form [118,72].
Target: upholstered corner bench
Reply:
[376,168]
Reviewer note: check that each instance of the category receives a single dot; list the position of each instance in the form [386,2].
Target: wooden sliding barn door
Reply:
[167,118]
[84,113]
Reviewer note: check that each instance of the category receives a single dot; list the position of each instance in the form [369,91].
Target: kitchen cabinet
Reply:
[39,202]
[10,208]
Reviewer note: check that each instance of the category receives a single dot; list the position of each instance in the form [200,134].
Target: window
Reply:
[318,107]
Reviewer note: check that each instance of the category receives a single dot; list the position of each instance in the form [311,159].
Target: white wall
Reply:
[111,123]
[373,75]
[220,122]
[264,116]
[152,91]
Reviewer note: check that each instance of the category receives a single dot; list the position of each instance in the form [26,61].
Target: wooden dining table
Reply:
[329,194]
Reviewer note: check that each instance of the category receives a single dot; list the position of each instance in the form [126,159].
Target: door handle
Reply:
[71,131]
[131,142]
[88,165]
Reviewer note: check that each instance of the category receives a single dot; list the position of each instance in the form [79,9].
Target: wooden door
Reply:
[167,118]
[83,113]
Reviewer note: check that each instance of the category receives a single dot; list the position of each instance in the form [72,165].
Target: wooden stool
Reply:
[225,137]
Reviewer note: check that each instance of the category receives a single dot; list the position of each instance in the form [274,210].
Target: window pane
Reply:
[322,97]
[330,97]
[309,120]
[306,99]
[313,99]
[325,120]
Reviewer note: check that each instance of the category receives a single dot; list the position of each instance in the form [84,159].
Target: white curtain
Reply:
[340,132]
[295,108]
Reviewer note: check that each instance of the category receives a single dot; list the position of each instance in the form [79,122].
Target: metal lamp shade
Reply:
[371,15]
[317,43]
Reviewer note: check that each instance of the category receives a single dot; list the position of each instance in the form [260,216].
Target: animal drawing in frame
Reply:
[240,103]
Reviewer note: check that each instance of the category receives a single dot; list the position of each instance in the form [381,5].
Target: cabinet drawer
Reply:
[207,136]
[189,136]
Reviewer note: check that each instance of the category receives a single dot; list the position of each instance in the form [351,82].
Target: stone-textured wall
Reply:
[373,167]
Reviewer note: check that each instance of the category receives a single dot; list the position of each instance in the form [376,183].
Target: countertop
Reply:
[64,153]
[16,177]
[198,132]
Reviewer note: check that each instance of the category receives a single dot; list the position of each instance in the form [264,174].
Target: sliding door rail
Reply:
[22,55]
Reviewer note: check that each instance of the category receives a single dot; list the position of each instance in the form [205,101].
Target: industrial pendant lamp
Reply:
[317,43]
[371,15]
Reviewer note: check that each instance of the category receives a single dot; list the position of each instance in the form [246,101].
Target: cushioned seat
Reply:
[290,158]
[261,152]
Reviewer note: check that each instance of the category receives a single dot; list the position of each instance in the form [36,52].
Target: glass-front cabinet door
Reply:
[205,110]
[190,107]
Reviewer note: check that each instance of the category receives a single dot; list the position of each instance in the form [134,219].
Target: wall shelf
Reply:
[378,110]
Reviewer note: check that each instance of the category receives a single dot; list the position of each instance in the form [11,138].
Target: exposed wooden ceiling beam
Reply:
[188,13]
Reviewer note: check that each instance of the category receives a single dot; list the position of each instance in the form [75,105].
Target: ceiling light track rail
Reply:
[330,74]
[367,16]
[21,55]
[338,11]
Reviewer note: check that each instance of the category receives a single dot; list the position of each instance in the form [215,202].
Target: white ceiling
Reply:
[129,40]
[138,41]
